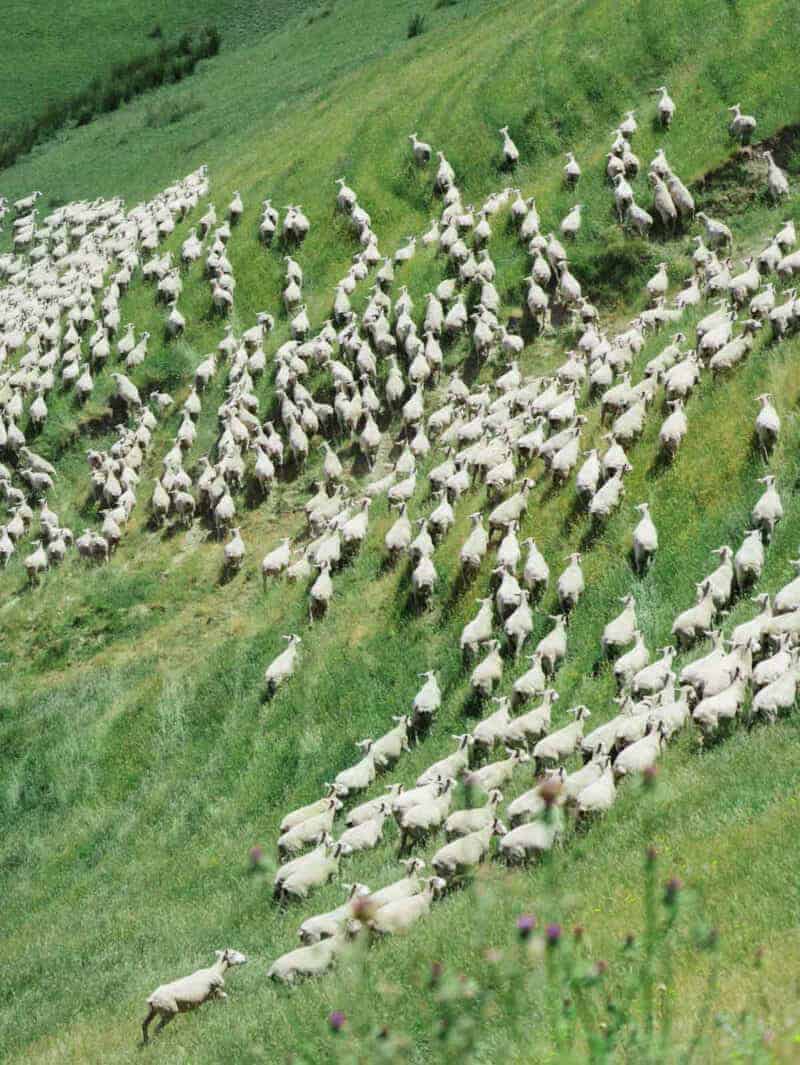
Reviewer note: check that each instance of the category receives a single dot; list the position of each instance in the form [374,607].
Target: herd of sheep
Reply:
[60,329]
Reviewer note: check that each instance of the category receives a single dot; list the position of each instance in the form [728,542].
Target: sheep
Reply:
[659,283]
[560,744]
[681,197]
[757,628]
[721,579]
[571,223]
[532,838]
[653,678]
[673,429]
[36,562]
[189,992]
[475,546]
[303,813]
[609,496]
[666,107]
[357,777]
[496,774]
[400,915]
[621,631]
[689,625]
[779,695]
[404,888]
[421,150]
[490,730]
[536,572]
[572,171]
[553,647]
[639,219]
[788,597]
[748,562]
[723,706]
[367,835]
[645,539]
[695,672]
[768,509]
[510,150]
[309,830]
[741,127]
[282,667]
[771,669]
[450,766]
[642,754]
[312,870]
[426,702]
[662,202]
[574,783]
[312,960]
[731,352]
[474,819]
[423,580]
[632,661]
[598,796]
[457,858]
[717,233]
[398,537]
[489,671]
[419,820]
[388,748]
[326,925]
[571,584]
[512,509]
[234,551]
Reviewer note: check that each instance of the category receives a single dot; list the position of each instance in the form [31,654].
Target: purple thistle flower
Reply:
[525,925]
[553,935]
[256,854]
[337,1020]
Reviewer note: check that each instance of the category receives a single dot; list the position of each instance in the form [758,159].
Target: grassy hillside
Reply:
[48,57]
[139,762]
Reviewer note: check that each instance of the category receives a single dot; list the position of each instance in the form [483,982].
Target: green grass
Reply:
[138,763]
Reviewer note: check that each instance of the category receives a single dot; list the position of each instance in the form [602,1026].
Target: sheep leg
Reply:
[164,1021]
[150,1015]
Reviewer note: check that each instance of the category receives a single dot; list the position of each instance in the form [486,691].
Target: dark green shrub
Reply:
[416,25]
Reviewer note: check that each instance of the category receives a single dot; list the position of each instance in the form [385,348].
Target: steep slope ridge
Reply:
[103,762]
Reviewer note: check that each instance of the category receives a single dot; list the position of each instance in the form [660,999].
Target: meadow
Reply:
[139,763]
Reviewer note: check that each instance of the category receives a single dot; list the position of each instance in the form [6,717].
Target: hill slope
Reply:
[139,762]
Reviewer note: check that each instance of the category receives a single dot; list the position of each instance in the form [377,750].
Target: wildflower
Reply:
[337,1020]
[256,855]
[601,967]
[525,925]
[577,932]
[649,776]
[436,972]
[553,935]
[550,790]
[651,854]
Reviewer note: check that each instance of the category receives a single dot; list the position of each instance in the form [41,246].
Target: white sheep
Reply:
[489,671]
[401,914]
[571,584]
[312,960]
[426,702]
[367,835]
[645,539]
[641,755]
[768,509]
[621,631]
[282,667]
[325,925]
[692,623]
[560,744]
[189,992]
[357,777]
[748,562]
[453,765]
[459,857]
[742,127]
[532,838]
